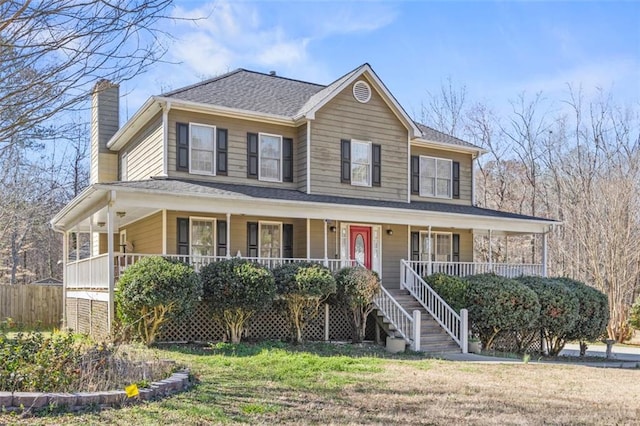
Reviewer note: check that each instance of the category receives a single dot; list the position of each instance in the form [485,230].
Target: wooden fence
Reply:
[31,305]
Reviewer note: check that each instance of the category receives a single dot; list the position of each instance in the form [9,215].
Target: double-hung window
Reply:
[202,149]
[439,245]
[270,239]
[435,177]
[270,157]
[360,163]
[202,237]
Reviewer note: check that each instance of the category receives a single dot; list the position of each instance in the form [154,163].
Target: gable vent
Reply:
[362,92]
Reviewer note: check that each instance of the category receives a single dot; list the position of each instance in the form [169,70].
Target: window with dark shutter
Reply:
[287,160]
[222,151]
[345,156]
[287,243]
[182,147]
[252,239]
[376,165]
[415,246]
[183,236]
[221,234]
[455,183]
[252,156]
[415,174]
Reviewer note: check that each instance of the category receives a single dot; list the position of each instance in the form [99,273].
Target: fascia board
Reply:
[313,210]
[447,146]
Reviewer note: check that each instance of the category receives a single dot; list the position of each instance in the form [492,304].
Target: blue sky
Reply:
[496,49]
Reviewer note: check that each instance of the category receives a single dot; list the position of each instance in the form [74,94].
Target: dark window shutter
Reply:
[456,247]
[415,246]
[252,155]
[415,174]
[376,175]
[252,239]
[287,160]
[345,156]
[183,236]
[222,150]
[221,235]
[182,147]
[287,243]
[455,182]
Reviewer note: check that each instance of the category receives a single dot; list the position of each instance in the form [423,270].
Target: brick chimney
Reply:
[105,122]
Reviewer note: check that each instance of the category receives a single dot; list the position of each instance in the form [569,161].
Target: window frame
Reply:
[280,164]
[370,163]
[268,222]
[213,150]
[424,235]
[423,186]
[214,229]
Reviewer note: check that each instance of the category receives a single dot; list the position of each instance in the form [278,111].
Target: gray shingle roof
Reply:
[216,189]
[250,91]
[434,135]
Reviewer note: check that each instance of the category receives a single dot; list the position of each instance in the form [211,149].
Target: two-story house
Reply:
[275,169]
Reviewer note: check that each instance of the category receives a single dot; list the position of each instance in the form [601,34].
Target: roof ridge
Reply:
[203,82]
[282,78]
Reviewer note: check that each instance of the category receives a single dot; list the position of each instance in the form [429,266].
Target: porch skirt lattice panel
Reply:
[508,342]
[87,316]
[271,324]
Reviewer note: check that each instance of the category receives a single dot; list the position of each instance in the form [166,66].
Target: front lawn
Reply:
[319,383]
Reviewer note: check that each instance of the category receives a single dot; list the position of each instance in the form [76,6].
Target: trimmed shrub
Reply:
[497,304]
[153,291]
[235,290]
[452,289]
[303,287]
[559,311]
[593,313]
[356,289]
[634,315]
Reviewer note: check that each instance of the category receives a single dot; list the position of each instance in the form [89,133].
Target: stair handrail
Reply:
[456,325]
[398,317]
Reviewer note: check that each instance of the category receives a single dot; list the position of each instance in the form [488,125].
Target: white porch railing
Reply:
[456,325]
[125,260]
[91,273]
[463,269]
[408,326]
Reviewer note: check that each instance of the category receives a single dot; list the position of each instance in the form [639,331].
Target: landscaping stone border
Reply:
[27,401]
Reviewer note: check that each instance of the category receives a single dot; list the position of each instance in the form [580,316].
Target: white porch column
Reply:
[326,251]
[409,243]
[308,238]
[65,277]
[429,250]
[111,265]
[77,255]
[490,252]
[90,249]
[544,254]
[228,235]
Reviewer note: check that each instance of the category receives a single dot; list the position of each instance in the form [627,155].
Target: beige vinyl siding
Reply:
[317,240]
[145,152]
[345,118]
[466,163]
[300,159]
[146,234]
[237,147]
[103,243]
[466,240]
[394,249]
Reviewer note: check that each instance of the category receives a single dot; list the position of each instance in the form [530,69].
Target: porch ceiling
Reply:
[141,198]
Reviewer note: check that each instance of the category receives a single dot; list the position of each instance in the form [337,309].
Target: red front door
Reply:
[360,244]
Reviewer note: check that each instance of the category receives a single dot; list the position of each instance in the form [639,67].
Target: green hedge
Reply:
[453,290]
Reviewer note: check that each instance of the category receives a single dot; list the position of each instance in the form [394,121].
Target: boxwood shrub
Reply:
[452,289]
[498,304]
[559,311]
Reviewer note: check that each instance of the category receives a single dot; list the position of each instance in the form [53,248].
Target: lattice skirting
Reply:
[87,316]
[271,324]
[508,342]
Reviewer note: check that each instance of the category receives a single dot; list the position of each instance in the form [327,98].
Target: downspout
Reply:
[165,138]
[308,157]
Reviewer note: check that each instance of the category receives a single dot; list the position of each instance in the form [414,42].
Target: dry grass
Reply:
[282,385]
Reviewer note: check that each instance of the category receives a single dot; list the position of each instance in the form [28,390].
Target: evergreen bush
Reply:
[356,289]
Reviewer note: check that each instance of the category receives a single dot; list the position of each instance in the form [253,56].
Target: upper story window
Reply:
[435,177]
[201,149]
[361,163]
[269,157]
